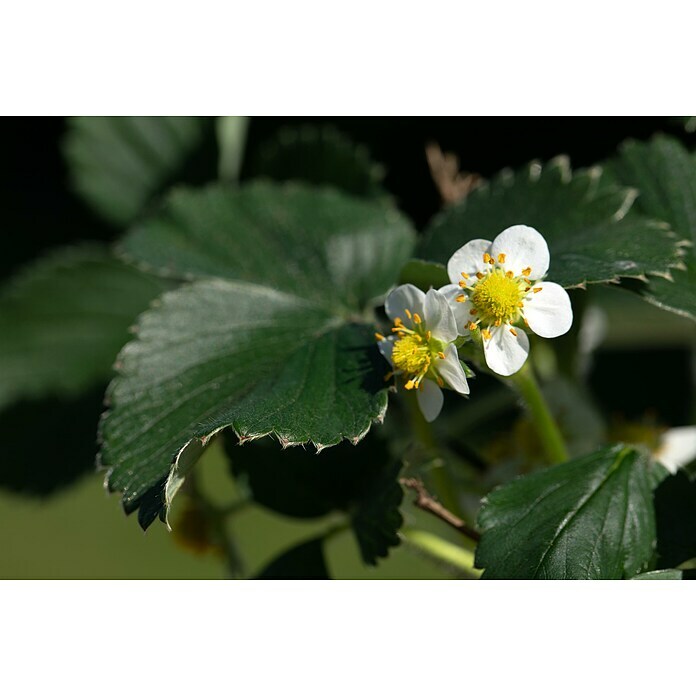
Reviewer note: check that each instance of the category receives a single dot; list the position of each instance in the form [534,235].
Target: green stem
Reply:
[546,427]
[457,557]
[441,479]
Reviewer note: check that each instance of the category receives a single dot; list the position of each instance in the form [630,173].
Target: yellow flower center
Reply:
[414,351]
[497,297]
[412,354]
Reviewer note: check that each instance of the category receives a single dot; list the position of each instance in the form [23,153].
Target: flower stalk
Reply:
[549,433]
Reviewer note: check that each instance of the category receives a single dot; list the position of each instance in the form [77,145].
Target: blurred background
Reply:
[80,532]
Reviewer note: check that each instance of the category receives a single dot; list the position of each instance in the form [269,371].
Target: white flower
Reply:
[422,345]
[496,285]
[676,448]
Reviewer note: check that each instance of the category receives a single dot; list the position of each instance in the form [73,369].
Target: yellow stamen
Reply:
[509,274]
[537,289]
[498,322]
[462,284]
[501,258]
[441,355]
[428,335]
[472,326]
[526,271]
[513,332]
[379,337]
[461,298]
[416,318]
[486,258]
[410,384]
[465,275]
[440,381]
[479,275]
[398,322]
[473,312]
[409,315]
[486,334]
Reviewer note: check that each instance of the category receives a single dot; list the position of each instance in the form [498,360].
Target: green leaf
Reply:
[675,508]
[376,518]
[584,221]
[424,274]
[289,354]
[64,319]
[361,481]
[591,518]
[303,562]
[665,174]
[670,574]
[119,163]
[319,155]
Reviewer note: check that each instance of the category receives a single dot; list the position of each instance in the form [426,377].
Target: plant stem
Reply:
[546,427]
[439,474]
[461,559]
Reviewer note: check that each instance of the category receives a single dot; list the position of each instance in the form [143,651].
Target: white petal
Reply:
[451,370]
[459,309]
[438,316]
[430,400]
[468,259]
[548,311]
[402,298]
[506,353]
[386,348]
[524,248]
[677,448]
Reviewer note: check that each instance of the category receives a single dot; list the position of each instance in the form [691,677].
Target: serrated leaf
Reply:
[675,514]
[118,163]
[318,155]
[583,220]
[288,355]
[360,481]
[664,173]
[588,519]
[376,519]
[302,562]
[64,319]
[670,574]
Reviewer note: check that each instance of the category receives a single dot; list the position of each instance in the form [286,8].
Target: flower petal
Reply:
[386,348]
[430,400]
[438,316]
[677,448]
[505,353]
[459,309]
[468,259]
[548,310]
[402,298]
[524,248]
[451,370]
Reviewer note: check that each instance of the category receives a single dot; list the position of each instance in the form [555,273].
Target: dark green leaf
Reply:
[424,274]
[376,518]
[670,574]
[64,319]
[288,354]
[361,481]
[303,562]
[590,518]
[584,221]
[48,443]
[118,163]
[665,174]
[318,155]
[675,515]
